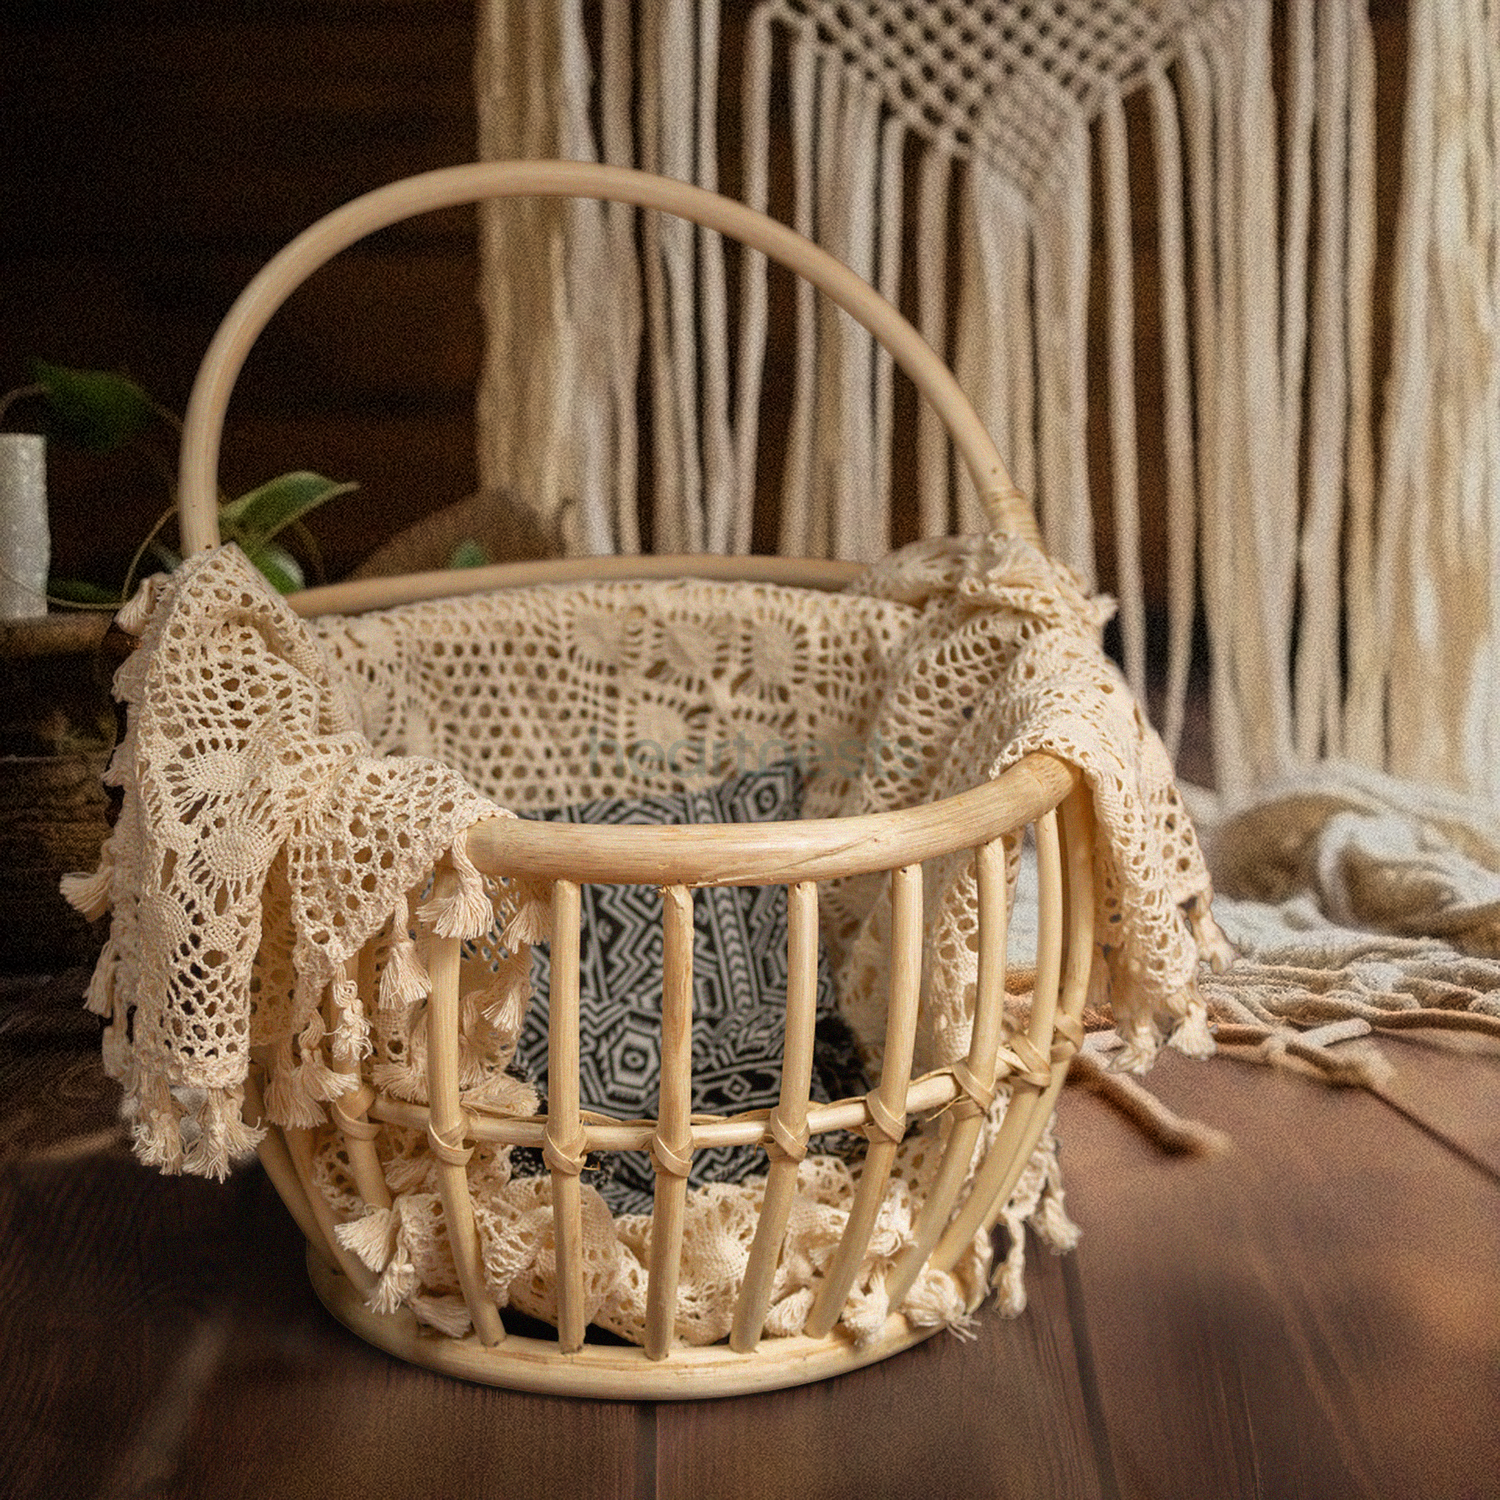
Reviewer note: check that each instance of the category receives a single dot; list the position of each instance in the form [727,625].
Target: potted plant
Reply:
[57,719]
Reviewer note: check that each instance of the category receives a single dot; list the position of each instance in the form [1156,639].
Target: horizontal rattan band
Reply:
[350,1112]
[771,853]
[565,1156]
[929,1093]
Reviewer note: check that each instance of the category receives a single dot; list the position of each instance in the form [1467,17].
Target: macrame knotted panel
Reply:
[1207,353]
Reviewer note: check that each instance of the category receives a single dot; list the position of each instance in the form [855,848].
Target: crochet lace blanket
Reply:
[260,843]
[1002,659]
[288,789]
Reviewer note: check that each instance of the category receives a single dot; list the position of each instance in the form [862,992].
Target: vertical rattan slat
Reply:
[447,1126]
[886,1104]
[672,1145]
[976,1076]
[301,1147]
[787,1127]
[1067,1021]
[565,1141]
[349,1111]
[278,1165]
[1025,1057]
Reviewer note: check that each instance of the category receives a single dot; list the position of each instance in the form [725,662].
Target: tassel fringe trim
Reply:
[91,894]
[467,913]
[204,1138]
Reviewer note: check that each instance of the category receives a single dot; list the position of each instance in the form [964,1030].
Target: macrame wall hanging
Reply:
[1014,174]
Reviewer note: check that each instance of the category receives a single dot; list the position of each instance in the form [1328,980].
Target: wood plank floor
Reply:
[1314,1314]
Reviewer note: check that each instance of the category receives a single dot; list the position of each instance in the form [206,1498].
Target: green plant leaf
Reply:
[80,591]
[259,514]
[95,410]
[468,554]
[278,565]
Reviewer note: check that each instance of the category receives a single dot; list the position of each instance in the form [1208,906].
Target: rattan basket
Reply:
[1040,791]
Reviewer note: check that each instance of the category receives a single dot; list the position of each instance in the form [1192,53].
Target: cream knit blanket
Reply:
[1360,903]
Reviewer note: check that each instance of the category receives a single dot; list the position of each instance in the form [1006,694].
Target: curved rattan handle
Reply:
[451,186]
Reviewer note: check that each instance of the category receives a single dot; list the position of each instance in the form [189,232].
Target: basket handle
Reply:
[451,186]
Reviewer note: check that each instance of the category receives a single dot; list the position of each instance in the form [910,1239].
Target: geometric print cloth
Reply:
[739,988]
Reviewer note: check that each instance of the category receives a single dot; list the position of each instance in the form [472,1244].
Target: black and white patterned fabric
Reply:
[739,990]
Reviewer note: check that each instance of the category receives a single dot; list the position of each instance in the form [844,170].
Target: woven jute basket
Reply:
[1040,792]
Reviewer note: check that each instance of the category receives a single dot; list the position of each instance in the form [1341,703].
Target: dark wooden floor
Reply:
[1314,1314]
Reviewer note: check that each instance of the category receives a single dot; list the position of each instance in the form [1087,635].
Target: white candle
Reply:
[24,542]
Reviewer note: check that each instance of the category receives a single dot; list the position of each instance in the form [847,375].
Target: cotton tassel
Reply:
[136,613]
[406,1078]
[1139,1044]
[449,1315]
[121,765]
[1009,1276]
[395,1286]
[402,1080]
[287,1101]
[936,1300]
[351,1034]
[403,980]
[99,997]
[399,1279]
[409,1174]
[479,1054]
[788,1317]
[503,1094]
[893,1225]
[503,1000]
[1192,1037]
[1050,1221]
[156,1132]
[467,913]
[506,1012]
[223,1137]
[531,921]
[314,1077]
[1212,944]
[372,1237]
[865,1313]
[90,894]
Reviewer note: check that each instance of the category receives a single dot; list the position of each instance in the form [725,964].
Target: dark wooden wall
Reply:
[155,154]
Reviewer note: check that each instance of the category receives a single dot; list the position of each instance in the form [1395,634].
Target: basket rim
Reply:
[708,854]
[361,595]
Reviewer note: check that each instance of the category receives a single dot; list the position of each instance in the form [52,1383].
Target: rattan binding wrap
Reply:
[1040,791]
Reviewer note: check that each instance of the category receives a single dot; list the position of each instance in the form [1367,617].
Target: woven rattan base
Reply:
[610,1372]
